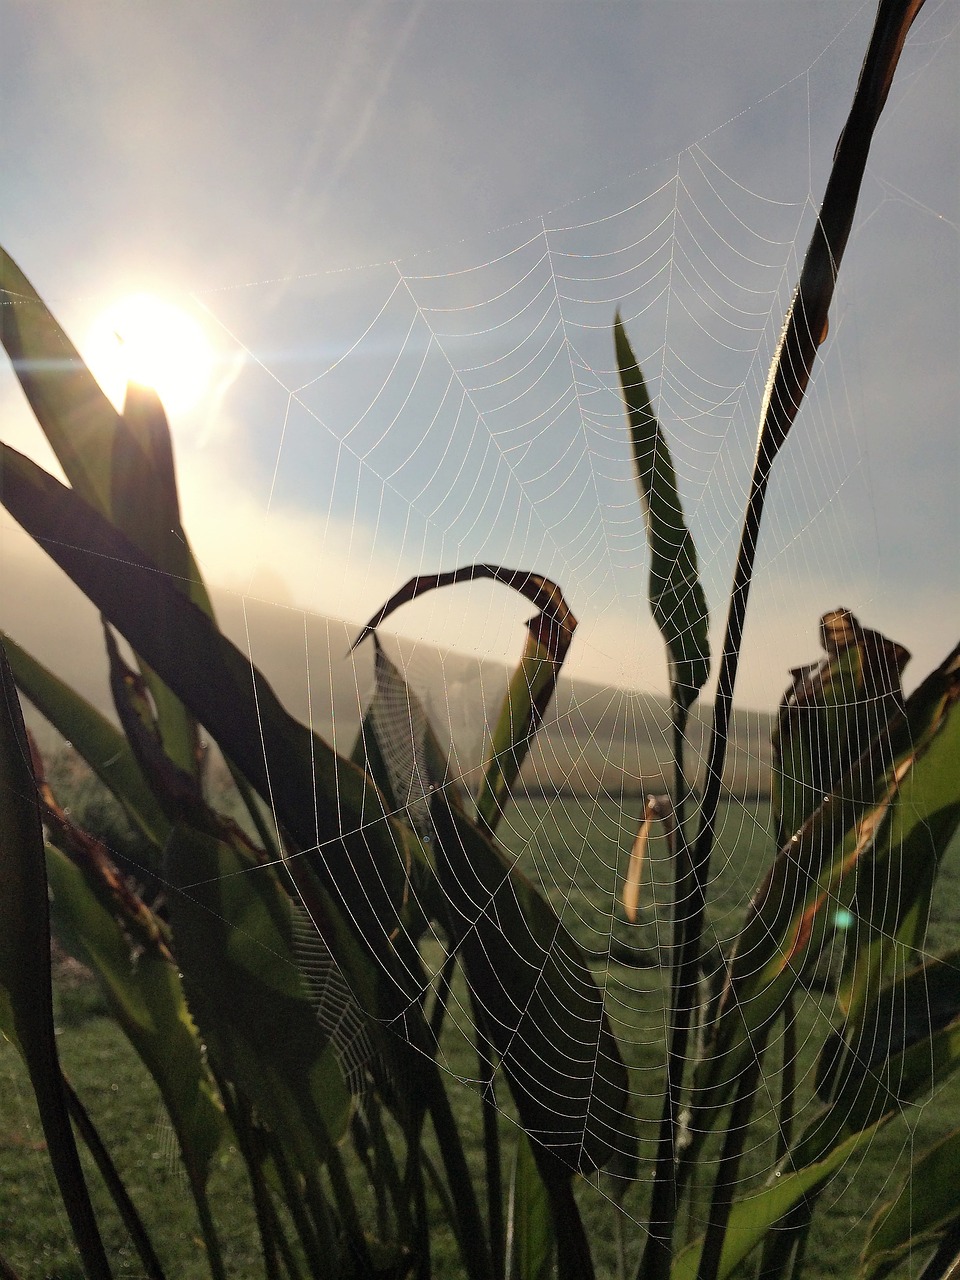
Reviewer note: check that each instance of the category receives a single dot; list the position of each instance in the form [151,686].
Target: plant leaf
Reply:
[233,933]
[74,414]
[320,799]
[121,466]
[143,989]
[360,856]
[99,742]
[25,988]
[530,1241]
[906,1040]
[753,1216]
[655,807]
[537,999]
[807,319]
[676,595]
[926,1205]
[894,887]
[832,710]
[790,916]
[532,686]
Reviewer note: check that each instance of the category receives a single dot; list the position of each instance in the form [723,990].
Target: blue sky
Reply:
[405,228]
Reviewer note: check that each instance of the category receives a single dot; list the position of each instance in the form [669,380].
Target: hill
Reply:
[594,737]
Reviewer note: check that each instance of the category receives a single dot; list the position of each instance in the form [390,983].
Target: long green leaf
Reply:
[233,932]
[927,1204]
[321,800]
[122,464]
[144,991]
[676,595]
[905,1040]
[530,1242]
[537,999]
[99,742]
[534,992]
[25,987]
[73,412]
[753,1216]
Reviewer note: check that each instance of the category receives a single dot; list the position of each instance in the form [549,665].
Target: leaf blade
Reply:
[676,595]
[25,985]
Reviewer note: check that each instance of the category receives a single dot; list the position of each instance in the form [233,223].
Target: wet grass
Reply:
[577,850]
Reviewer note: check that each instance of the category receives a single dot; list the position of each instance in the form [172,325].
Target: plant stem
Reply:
[658,1254]
[114,1183]
[788,1079]
[293,1195]
[475,1248]
[805,329]
[491,1152]
[724,1188]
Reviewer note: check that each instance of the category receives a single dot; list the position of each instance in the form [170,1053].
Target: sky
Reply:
[404,229]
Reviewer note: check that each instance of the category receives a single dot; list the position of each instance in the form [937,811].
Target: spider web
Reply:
[468,409]
[462,405]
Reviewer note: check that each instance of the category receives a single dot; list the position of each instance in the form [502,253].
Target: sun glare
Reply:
[144,339]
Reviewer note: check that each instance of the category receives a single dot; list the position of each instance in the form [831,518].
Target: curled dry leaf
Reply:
[553,627]
[656,807]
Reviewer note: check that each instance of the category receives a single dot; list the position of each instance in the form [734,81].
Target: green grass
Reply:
[577,850]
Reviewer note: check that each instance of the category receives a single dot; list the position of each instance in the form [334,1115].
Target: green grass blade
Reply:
[530,1242]
[677,600]
[99,742]
[25,966]
[926,1206]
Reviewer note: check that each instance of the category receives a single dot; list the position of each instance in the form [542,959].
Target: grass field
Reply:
[577,850]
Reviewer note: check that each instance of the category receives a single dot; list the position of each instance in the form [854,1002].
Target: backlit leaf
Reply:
[25,989]
[676,595]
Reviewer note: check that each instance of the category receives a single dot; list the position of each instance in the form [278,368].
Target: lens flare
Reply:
[143,338]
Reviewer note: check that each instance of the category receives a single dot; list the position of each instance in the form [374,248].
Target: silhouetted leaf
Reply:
[25,991]
[534,995]
[143,989]
[676,596]
[233,932]
[94,737]
[832,711]
[807,319]
[894,887]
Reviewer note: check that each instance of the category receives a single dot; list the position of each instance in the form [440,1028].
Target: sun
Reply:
[143,338]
